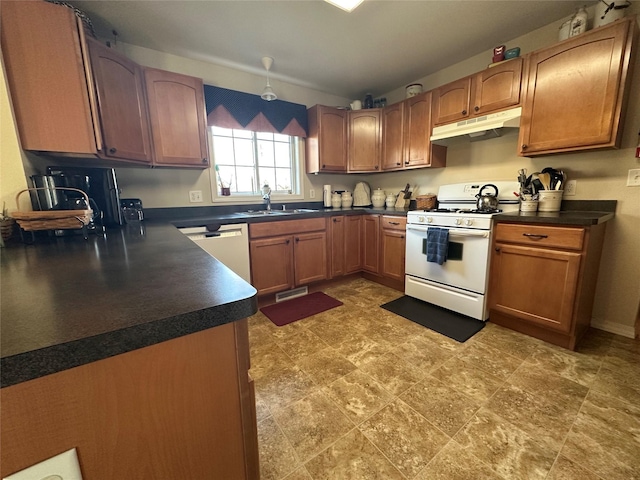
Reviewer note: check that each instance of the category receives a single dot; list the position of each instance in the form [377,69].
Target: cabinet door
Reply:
[310,257]
[451,101]
[418,150]
[177,115]
[393,253]
[392,137]
[326,144]
[575,92]
[534,284]
[364,140]
[497,87]
[352,243]
[336,246]
[121,103]
[271,264]
[43,59]
[371,242]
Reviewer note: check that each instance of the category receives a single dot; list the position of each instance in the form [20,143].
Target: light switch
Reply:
[61,467]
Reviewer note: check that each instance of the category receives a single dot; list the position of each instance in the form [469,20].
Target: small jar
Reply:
[378,198]
[563,32]
[347,200]
[336,200]
[390,202]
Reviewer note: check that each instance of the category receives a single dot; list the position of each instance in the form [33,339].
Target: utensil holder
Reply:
[528,205]
[549,200]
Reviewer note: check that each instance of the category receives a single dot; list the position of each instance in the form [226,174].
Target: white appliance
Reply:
[477,128]
[229,244]
[460,283]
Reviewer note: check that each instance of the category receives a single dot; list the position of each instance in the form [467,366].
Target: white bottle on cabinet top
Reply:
[579,22]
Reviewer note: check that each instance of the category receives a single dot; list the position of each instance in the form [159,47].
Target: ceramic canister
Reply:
[347,200]
[336,200]
[378,198]
[390,202]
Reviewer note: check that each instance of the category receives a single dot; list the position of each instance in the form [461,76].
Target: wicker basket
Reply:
[52,219]
[426,202]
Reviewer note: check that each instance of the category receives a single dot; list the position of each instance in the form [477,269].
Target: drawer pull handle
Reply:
[534,236]
[394,223]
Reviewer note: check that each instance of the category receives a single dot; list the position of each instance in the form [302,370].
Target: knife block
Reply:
[402,202]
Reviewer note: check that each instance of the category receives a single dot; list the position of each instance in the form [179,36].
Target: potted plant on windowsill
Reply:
[7,224]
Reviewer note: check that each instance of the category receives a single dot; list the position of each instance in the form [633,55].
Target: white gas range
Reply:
[447,249]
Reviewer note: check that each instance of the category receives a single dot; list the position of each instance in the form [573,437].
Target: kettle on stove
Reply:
[488,201]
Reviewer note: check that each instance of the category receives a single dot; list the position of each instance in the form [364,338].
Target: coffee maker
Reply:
[100,184]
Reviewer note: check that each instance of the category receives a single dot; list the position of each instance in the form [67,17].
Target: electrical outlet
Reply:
[61,467]
[195,196]
[633,180]
[570,188]
[312,193]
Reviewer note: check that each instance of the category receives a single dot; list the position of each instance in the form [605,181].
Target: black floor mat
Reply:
[452,324]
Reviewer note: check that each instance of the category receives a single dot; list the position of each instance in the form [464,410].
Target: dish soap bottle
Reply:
[579,22]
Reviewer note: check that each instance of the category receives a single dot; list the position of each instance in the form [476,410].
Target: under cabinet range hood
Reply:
[477,128]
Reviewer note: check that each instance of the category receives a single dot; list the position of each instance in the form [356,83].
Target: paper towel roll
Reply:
[326,195]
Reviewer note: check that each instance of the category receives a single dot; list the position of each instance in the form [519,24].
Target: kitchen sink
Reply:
[260,213]
[304,210]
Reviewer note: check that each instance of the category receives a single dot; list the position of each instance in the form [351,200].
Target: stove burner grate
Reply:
[464,210]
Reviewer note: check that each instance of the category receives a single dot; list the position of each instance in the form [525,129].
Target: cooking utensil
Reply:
[522,177]
[545,179]
[488,201]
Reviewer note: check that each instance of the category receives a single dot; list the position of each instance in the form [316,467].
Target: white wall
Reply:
[12,176]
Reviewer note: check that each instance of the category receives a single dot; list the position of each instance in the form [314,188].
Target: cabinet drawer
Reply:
[558,237]
[286,227]
[393,223]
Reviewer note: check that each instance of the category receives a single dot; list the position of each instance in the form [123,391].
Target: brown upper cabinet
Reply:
[326,145]
[177,116]
[364,140]
[121,104]
[406,130]
[495,88]
[74,97]
[577,92]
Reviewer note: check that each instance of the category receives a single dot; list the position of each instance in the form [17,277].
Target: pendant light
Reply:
[268,94]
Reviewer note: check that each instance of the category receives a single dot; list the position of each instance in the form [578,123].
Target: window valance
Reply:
[232,109]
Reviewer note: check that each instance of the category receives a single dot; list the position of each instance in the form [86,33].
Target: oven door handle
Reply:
[454,231]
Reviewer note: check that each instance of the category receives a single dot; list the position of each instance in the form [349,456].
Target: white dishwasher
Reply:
[228,244]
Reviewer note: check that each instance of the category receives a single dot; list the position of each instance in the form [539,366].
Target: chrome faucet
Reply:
[266,196]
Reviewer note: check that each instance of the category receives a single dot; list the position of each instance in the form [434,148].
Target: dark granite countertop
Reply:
[572,212]
[183,217]
[66,302]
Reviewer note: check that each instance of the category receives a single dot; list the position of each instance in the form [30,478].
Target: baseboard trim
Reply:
[623,330]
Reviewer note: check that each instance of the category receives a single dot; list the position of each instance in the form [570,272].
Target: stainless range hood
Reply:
[478,128]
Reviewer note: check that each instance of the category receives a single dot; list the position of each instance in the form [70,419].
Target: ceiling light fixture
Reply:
[346,5]
[268,94]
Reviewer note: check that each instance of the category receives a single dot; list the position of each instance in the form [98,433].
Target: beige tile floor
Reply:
[360,393]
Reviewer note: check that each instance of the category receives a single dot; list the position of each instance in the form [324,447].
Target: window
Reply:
[245,161]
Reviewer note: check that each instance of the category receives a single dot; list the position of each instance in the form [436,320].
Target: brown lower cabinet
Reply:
[543,279]
[184,408]
[392,251]
[371,243]
[286,254]
[292,253]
